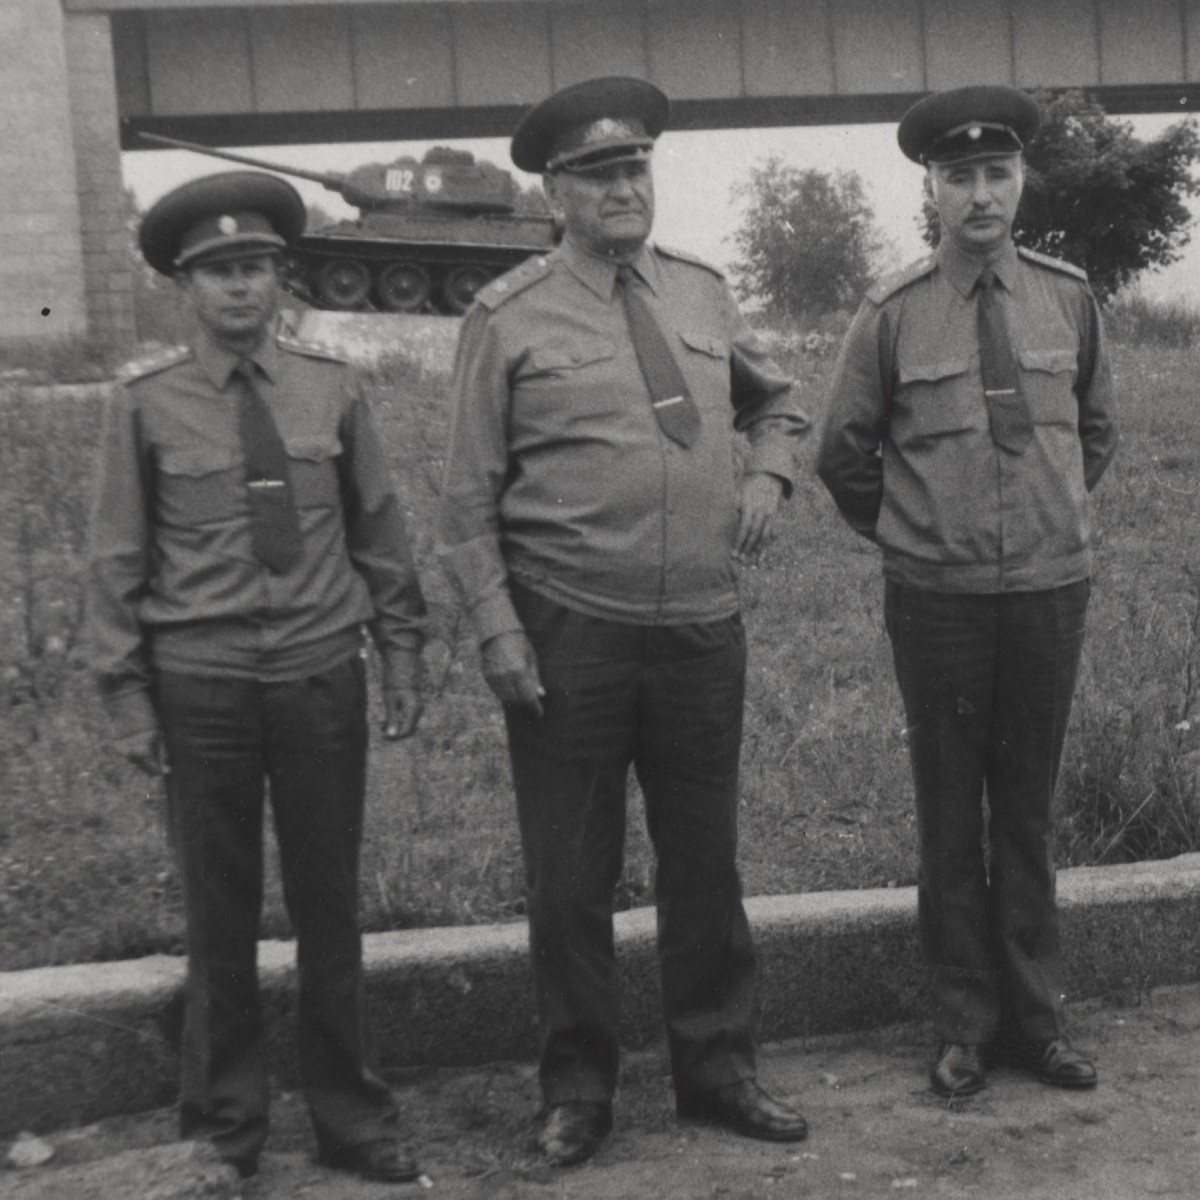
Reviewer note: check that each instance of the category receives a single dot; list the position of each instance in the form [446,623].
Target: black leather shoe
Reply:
[383,1161]
[1054,1060]
[572,1132]
[744,1108]
[958,1070]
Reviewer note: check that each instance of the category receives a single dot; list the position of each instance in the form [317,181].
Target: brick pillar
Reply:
[41,267]
[92,92]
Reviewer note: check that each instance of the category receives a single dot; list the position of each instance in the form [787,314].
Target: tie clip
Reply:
[664,403]
[266,483]
[1000,391]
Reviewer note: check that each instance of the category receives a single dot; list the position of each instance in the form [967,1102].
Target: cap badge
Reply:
[227,225]
[974,132]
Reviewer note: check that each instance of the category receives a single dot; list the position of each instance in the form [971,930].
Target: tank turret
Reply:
[430,231]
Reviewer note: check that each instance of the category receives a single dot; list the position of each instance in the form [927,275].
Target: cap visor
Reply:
[247,245]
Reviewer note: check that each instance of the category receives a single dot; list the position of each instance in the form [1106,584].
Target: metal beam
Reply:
[318,128]
[354,69]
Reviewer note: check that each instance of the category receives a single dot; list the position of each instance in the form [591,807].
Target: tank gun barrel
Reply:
[332,182]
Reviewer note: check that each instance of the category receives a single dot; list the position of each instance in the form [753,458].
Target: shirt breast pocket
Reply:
[199,485]
[705,366]
[934,400]
[565,383]
[312,463]
[1048,381]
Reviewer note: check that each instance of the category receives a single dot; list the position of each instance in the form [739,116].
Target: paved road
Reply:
[877,1131]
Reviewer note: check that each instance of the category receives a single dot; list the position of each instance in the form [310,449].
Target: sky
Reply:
[695,174]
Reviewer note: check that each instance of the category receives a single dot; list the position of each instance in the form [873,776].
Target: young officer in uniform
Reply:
[971,414]
[592,513]
[246,531]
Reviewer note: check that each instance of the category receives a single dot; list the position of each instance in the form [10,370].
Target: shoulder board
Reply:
[889,285]
[684,256]
[512,282]
[1055,264]
[153,363]
[297,345]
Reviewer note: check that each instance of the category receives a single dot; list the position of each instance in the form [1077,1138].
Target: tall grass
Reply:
[1133,320]
[826,795]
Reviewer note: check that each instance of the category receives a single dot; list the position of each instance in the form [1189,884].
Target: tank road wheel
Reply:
[343,283]
[403,287]
[460,285]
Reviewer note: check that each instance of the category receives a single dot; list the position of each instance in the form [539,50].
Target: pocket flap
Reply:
[567,356]
[931,372]
[1047,360]
[705,343]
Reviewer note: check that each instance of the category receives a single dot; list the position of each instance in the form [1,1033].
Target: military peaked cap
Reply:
[217,217]
[591,124]
[966,123]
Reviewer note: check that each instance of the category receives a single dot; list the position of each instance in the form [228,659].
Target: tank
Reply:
[430,232]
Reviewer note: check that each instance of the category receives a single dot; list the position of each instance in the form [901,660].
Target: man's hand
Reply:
[402,708]
[145,750]
[756,524]
[510,668]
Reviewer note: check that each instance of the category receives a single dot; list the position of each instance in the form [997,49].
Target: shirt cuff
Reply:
[401,669]
[495,616]
[774,460]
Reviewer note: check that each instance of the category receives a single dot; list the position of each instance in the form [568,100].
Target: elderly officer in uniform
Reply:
[592,512]
[971,414]
[246,531]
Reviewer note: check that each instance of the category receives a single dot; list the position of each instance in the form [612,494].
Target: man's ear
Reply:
[550,188]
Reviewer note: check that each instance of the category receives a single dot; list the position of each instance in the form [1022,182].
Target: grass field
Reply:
[826,798]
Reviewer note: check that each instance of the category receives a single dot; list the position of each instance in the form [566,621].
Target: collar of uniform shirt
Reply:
[217,363]
[963,271]
[600,274]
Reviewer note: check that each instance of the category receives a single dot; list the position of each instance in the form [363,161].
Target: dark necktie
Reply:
[1008,412]
[273,521]
[677,414]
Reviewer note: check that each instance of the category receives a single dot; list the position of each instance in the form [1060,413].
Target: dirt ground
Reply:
[876,1130]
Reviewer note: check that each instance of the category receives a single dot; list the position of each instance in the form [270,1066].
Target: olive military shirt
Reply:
[558,474]
[906,450]
[173,580]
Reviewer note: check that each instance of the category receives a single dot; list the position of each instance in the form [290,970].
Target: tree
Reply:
[531,200]
[808,242]
[317,217]
[1099,197]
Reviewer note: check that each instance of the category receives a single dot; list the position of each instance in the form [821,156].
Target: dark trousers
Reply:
[225,738]
[667,700]
[987,682]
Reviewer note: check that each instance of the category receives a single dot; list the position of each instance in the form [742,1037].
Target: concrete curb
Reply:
[78,1043]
